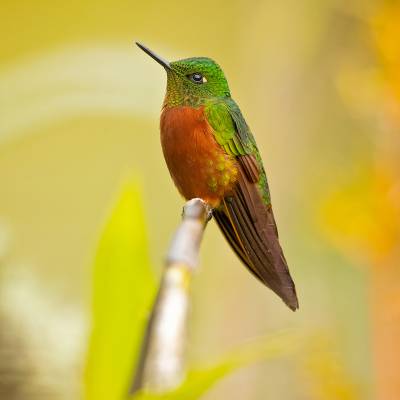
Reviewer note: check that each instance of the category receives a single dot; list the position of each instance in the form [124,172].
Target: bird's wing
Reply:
[233,134]
[245,217]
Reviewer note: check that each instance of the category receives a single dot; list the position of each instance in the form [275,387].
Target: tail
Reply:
[249,226]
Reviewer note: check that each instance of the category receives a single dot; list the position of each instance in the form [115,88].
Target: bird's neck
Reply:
[174,98]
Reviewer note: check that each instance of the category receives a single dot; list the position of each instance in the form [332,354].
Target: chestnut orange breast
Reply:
[197,164]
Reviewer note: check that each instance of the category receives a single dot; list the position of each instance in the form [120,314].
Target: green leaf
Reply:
[123,291]
[200,380]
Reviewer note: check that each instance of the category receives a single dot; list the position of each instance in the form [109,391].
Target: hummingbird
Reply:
[211,154]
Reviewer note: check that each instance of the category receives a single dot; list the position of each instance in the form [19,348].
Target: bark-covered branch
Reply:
[162,362]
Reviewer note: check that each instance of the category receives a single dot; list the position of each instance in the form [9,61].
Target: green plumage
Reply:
[198,87]
[232,132]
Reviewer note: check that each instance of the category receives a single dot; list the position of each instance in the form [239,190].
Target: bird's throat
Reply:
[179,93]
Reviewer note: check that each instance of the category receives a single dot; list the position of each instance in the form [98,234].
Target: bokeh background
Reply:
[319,84]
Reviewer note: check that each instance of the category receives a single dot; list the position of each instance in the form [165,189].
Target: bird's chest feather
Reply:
[197,164]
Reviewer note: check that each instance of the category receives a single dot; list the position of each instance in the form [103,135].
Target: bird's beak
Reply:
[154,56]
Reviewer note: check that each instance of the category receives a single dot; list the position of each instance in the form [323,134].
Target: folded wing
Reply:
[249,226]
[245,217]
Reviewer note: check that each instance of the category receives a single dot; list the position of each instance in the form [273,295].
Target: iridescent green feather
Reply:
[233,134]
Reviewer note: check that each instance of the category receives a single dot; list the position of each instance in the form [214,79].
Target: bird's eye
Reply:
[197,78]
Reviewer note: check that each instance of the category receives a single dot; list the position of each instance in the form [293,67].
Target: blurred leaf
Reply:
[326,372]
[199,380]
[363,217]
[122,295]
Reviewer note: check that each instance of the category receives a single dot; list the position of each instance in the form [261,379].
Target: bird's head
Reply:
[191,81]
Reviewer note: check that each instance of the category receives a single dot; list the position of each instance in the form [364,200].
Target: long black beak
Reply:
[154,56]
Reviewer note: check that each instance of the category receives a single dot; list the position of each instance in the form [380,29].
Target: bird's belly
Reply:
[197,164]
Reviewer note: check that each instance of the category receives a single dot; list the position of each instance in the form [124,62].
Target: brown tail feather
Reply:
[249,226]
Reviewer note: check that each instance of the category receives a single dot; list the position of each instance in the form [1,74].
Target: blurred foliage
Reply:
[200,380]
[362,215]
[363,218]
[385,30]
[329,378]
[123,291]
[122,294]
